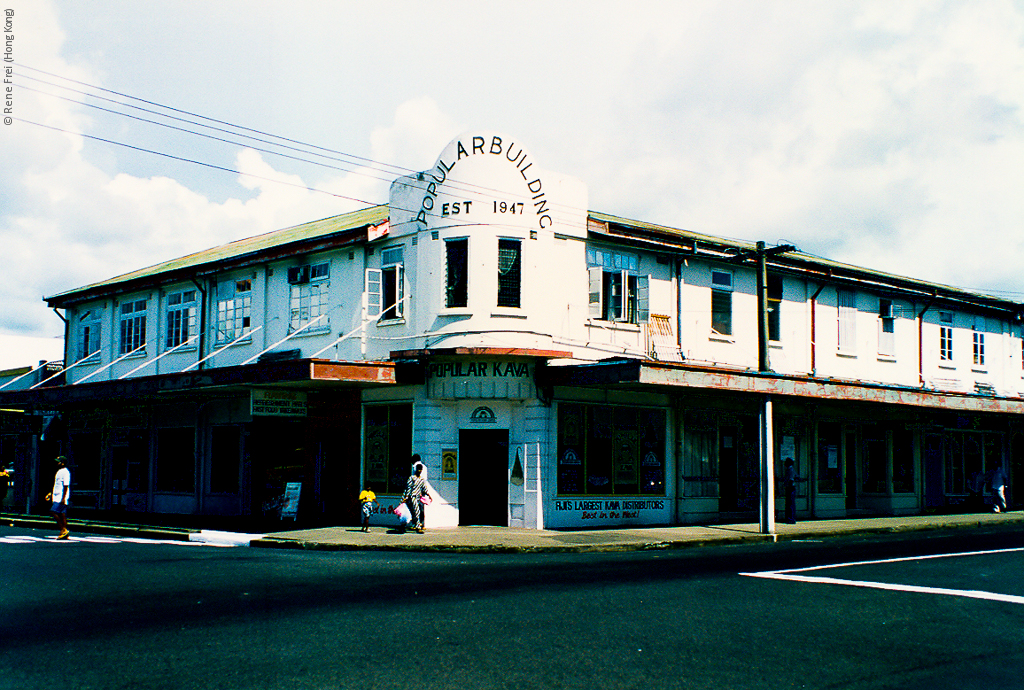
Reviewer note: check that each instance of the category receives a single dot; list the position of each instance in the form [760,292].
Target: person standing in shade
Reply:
[998,483]
[60,496]
[789,479]
[415,490]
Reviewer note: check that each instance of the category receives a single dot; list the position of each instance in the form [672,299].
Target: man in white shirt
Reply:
[60,496]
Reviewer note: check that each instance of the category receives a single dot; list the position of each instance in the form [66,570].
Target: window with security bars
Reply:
[234,310]
[181,318]
[510,262]
[133,326]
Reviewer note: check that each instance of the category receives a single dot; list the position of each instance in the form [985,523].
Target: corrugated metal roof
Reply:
[244,247]
[827,267]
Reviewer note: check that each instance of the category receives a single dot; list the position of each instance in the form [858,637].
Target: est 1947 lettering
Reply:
[454,208]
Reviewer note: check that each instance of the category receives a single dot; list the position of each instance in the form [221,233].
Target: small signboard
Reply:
[290,507]
[271,403]
[449,464]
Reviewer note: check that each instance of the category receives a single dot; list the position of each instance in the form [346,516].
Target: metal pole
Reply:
[762,310]
[767,522]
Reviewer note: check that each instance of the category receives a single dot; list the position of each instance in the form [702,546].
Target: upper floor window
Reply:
[89,332]
[181,317]
[774,307]
[385,286]
[133,326]
[392,282]
[616,292]
[510,262]
[847,300]
[456,283]
[721,302]
[946,336]
[886,328]
[309,287]
[234,309]
[978,331]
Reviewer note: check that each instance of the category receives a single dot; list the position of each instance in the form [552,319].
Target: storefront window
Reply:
[700,456]
[225,457]
[875,460]
[84,462]
[830,468]
[610,450]
[388,447]
[902,461]
[176,460]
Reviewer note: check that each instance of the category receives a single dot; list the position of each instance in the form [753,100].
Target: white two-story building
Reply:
[553,367]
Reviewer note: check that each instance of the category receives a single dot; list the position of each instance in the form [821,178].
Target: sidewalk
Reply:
[508,539]
[514,540]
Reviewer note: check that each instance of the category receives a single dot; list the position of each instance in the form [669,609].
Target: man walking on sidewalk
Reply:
[60,495]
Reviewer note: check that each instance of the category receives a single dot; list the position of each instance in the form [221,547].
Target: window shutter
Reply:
[643,299]
[596,302]
[372,294]
[399,291]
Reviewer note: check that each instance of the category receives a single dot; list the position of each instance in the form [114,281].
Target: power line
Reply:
[468,188]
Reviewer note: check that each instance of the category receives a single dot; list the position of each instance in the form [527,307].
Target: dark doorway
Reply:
[483,477]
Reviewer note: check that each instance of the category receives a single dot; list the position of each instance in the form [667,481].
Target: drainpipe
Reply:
[202,321]
[920,341]
[814,330]
[679,306]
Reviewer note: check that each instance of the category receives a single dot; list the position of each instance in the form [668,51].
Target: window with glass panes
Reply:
[309,292]
[387,446]
[181,317]
[133,326]
[234,310]
[610,450]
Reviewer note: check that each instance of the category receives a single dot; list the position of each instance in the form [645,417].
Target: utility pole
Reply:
[767,436]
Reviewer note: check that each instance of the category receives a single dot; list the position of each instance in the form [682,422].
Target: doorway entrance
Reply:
[483,477]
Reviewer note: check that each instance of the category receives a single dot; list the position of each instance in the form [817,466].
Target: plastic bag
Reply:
[426,500]
[403,513]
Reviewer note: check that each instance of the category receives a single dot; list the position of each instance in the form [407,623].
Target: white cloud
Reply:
[884,134]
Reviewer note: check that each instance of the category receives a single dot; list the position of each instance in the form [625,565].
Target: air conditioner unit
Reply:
[297,275]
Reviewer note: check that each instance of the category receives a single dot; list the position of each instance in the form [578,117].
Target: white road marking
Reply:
[968,593]
[25,539]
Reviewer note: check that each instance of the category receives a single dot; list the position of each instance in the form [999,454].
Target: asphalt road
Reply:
[110,614]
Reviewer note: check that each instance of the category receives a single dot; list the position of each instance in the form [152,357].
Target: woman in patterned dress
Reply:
[415,489]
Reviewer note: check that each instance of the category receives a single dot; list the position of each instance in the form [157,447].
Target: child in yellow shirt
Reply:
[367,498]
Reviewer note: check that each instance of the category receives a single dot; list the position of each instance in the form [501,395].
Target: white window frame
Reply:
[978,338]
[234,310]
[90,334]
[721,291]
[610,270]
[945,336]
[182,317]
[309,296]
[846,321]
[132,325]
[886,327]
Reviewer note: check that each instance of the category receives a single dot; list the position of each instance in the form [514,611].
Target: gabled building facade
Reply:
[553,366]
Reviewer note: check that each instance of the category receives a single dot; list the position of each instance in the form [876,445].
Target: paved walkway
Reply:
[507,539]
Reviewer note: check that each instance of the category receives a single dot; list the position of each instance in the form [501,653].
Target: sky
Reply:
[888,135]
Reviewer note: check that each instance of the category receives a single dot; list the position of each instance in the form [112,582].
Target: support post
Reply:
[767,443]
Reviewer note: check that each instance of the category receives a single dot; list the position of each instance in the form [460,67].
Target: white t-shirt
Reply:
[61,480]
